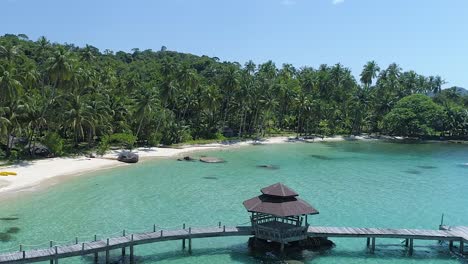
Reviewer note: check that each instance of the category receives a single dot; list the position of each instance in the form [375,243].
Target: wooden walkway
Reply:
[54,253]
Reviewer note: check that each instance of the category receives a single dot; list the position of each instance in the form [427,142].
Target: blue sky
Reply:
[428,36]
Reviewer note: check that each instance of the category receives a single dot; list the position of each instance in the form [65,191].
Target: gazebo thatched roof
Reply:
[279,200]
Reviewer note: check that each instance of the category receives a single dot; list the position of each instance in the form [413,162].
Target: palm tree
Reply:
[60,67]
[77,115]
[438,82]
[10,88]
[369,72]
[145,104]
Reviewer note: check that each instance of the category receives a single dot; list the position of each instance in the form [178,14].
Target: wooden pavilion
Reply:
[278,215]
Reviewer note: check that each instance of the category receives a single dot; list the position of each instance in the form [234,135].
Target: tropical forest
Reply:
[73,99]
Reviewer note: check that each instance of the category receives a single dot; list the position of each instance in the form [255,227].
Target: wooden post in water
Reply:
[368,242]
[373,245]
[107,252]
[56,258]
[51,260]
[183,240]
[406,242]
[451,245]
[123,249]
[461,246]
[282,248]
[132,258]
[190,241]
[96,257]
[411,247]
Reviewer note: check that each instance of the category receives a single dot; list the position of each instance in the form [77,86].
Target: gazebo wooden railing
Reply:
[281,236]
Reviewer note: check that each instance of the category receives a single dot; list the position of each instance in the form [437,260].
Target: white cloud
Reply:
[337,2]
[288,2]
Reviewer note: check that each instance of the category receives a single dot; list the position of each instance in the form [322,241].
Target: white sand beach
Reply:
[32,173]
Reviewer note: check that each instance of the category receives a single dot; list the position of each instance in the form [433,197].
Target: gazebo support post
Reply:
[373,245]
[368,242]
[406,242]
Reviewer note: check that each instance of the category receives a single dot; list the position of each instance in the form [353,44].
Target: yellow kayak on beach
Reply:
[7,173]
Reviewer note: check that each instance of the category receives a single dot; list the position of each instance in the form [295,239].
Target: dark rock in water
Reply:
[13,230]
[311,243]
[427,167]
[269,166]
[413,172]
[211,160]
[128,157]
[9,218]
[5,237]
[210,178]
[186,158]
[321,157]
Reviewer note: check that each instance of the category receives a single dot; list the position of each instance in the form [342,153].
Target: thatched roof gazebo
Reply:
[278,215]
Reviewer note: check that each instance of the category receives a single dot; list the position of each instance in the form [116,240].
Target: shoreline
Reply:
[32,175]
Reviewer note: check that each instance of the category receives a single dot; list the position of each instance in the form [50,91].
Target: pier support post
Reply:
[56,261]
[132,257]
[123,252]
[190,240]
[51,243]
[368,242]
[451,245]
[411,248]
[183,240]
[462,245]
[282,248]
[96,257]
[373,245]
[190,245]
[107,256]
[406,242]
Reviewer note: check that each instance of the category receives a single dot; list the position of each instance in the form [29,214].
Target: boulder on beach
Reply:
[211,160]
[128,157]
[40,150]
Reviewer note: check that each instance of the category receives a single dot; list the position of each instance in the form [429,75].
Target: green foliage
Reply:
[414,115]
[54,142]
[154,139]
[14,155]
[324,128]
[126,140]
[103,146]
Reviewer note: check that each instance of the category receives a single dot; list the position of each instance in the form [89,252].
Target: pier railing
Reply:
[54,252]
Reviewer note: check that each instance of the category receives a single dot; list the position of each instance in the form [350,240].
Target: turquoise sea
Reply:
[360,184]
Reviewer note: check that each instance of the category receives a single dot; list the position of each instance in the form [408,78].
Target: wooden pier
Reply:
[457,234]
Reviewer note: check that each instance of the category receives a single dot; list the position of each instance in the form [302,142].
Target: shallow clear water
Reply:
[361,184]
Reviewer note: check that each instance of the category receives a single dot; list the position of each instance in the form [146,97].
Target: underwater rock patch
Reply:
[13,230]
[321,157]
[210,178]
[5,237]
[9,218]
[413,172]
[268,166]
[427,167]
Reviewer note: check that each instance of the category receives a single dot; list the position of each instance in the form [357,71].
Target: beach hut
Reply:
[278,215]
